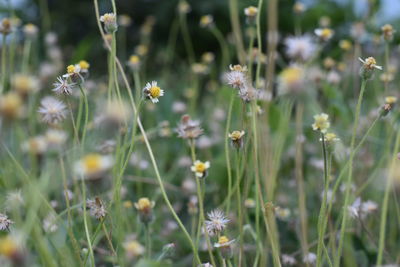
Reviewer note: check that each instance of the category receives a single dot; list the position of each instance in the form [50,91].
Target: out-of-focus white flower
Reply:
[53,111]
[300,47]
[216,222]
[92,165]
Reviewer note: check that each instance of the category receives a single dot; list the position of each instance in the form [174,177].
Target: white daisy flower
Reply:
[93,165]
[152,91]
[200,168]
[370,63]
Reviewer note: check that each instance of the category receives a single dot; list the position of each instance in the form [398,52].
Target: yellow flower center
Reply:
[143,204]
[200,167]
[291,75]
[251,11]
[134,59]
[84,64]
[7,247]
[345,45]
[370,62]
[236,135]
[391,100]
[222,240]
[71,69]
[155,91]
[92,163]
[326,33]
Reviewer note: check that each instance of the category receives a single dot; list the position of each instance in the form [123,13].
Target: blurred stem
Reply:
[186,37]
[108,238]
[148,241]
[227,153]
[3,64]
[76,135]
[86,223]
[45,15]
[387,53]
[235,22]
[259,43]
[350,175]
[322,213]
[299,178]
[272,233]
[272,17]
[86,114]
[201,207]
[26,55]
[385,202]
[223,45]
[239,206]
[71,235]
[250,53]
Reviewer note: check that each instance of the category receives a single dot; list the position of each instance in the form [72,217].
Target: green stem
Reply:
[322,213]
[239,207]
[86,223]
[3,64]
[227,156]
[222,43]
[385,202]
[86,114]
[350,175]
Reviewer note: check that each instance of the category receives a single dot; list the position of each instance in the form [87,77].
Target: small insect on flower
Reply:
[216,222]
[152,91]
[188,128]
[110,22]
[5,222]
[96,208]
[74,73]
[206,21]
[325,34]
[93,165]
[200,168]
[321,122]
[145,209]
[63,87]
[236,138]
[53,111]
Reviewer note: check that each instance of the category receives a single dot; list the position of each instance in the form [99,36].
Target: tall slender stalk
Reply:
[227,153]
[350,175]
[322,213]
[237,31]
[385,202]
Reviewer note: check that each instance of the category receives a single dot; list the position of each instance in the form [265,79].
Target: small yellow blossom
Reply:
[71,69]
[11,106]
[370,63]
[152,91]
[346,45]
[84,64]
[144,204]
[321,122]
[324,34]
[8,247]
[299,7]
[251,11]
[390,100]
[206,21]
[200,168]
